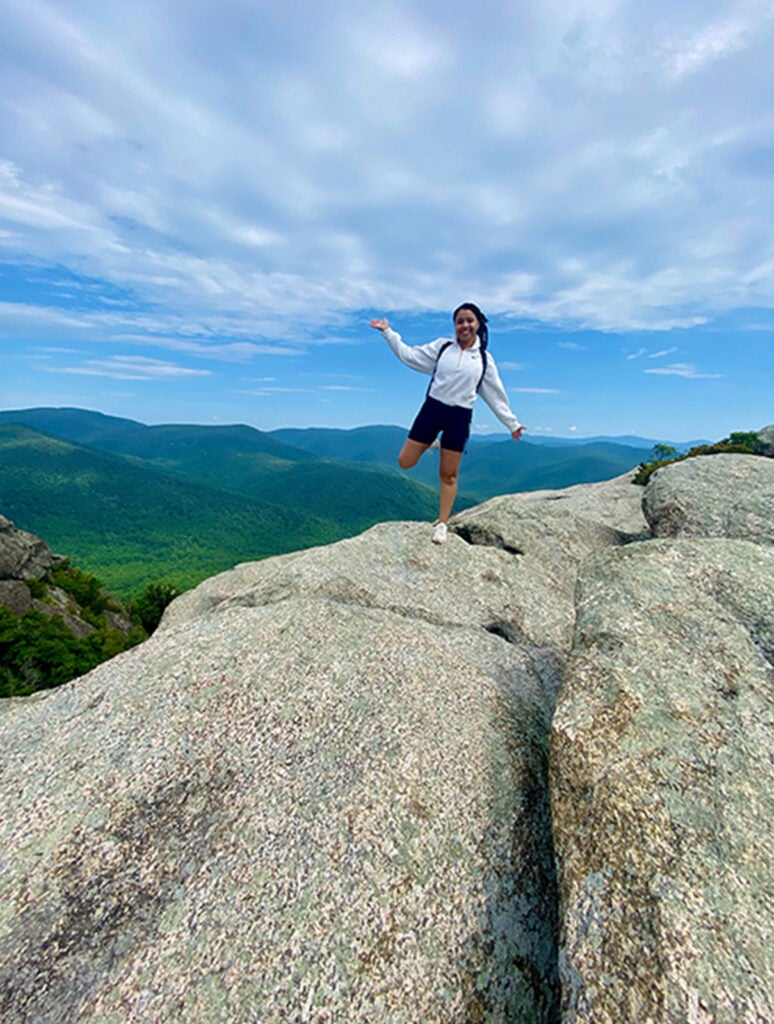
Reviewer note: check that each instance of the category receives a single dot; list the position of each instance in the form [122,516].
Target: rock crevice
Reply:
[389,781]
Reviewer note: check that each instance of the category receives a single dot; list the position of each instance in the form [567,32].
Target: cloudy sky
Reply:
[202,205]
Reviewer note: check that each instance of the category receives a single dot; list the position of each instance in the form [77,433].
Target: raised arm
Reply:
[419,357]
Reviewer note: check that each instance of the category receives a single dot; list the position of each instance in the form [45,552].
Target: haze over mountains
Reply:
[135,503]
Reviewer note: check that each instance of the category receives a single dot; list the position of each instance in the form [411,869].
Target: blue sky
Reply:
[202,205]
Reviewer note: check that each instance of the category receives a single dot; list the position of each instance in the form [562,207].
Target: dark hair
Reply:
[483,330]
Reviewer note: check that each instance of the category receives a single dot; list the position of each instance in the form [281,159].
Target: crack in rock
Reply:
[472,534]
[506,630]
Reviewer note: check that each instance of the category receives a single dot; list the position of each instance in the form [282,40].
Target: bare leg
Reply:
[448,471]
[411,453]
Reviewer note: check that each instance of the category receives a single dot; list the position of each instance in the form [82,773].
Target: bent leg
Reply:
[411,453]
[448,472]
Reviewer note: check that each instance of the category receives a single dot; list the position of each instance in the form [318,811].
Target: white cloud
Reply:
[232,352]
[687,370]
[412,52]
[537,391]
[46,351]
[267,392]
[250,172]
[197,337]
[644,353]
[129,368]
[721,37]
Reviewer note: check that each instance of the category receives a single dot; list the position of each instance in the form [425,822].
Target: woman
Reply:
[459,370]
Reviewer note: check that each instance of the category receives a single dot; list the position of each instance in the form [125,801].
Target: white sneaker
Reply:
[439,533]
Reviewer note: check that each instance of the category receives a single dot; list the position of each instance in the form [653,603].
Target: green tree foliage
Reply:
[37,589]
[135,524]
[85,589]
[664,452]
[150,605]
[38,652]
[742,442]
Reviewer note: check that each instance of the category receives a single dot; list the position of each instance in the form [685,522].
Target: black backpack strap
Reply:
[441,351]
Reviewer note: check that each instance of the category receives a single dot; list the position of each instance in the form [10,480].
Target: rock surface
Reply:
[15,596]
[612,503]
[766,442]
[320,792]
[304,811]
[23,556]
[663,789]
[516,575]
[713,496]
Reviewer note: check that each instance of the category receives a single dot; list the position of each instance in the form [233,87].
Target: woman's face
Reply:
[466,327]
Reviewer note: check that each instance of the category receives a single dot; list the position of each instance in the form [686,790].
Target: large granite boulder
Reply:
[616,504]
[766,442]
[15,595]
[663,787]
[514,575]
[713,496]
[320,792]
[291,808]
[23,556]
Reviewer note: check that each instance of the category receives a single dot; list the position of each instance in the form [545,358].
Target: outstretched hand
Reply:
[516,435]
[379,324]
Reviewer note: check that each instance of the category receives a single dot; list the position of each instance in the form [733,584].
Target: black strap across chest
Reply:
[441,351]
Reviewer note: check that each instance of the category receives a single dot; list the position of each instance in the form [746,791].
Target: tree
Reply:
[150,605]
[663,452]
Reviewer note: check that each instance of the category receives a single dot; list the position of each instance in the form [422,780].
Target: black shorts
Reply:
[452,422]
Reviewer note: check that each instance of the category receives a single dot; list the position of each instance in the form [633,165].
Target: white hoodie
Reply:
[457,374]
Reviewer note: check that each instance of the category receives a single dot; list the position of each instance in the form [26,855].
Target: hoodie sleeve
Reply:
[418,357]
[493,393]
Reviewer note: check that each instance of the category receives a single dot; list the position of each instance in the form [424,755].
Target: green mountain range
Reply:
[130,524]
[489,467]
[136,504]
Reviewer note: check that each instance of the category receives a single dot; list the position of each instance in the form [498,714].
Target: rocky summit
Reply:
[26,560]
[524,776]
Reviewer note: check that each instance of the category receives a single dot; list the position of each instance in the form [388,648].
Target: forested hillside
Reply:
[489,467]
[251,463]
[137,504]
[131,524]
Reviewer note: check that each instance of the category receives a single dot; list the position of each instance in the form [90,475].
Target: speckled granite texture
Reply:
[663,787]
[320,793]
[317,794]
[310,812]
[713,496]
